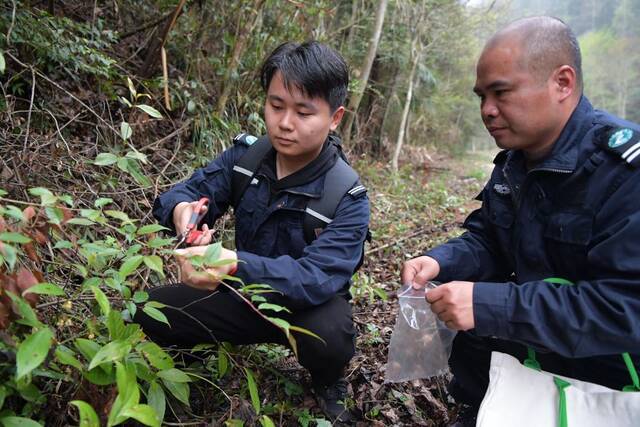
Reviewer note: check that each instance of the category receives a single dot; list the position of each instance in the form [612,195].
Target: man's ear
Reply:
[565,82]
[336,117]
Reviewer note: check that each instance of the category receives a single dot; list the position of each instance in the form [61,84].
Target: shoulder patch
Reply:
[245,139]
[624,142]
[358,191]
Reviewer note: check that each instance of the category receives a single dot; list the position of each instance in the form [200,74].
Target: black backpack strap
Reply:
[339,181]
[246,168]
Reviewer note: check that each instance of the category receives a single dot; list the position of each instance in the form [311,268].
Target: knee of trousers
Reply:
[337,349]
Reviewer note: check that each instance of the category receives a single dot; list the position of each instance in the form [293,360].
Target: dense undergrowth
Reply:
[87,143]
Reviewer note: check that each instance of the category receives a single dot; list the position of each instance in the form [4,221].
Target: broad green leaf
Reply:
[63,244]
[125,101]
[157,399]
[119,215]
[253,390]
[265,421]
[3,64]
[46,196]
[158,358]
[150,111]
[306,332]
[115,325]
[134,170]
[10,255]
[18,422]
[88,417]
[212,253]
[150,228]
[257,298]
[102,201]
[29,317]
[179,390]
[174,375]
[99,377]
[234,422]
[273,307]
[3,192]
[32,352]
[157,242]
[140,296]
[321,422]
[12,237]
[45,289]
[128,393]
[154,313]
[105,159]
[80,221]
[223,363]
[130,265]
[136,155]
[55,215]
[13,212]
[154,262]
[115,350]
[88,348]
[66,356]
[125,131]
[3,395]
[142,413]
[102,300]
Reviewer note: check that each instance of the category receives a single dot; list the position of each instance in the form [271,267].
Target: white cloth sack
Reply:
[523,397]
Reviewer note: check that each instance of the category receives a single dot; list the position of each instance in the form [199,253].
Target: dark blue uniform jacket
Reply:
[269,233]
[575,215]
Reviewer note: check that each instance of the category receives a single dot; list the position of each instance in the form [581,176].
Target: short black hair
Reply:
[314,68]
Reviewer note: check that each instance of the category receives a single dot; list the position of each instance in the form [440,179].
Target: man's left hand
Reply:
[453,304]
[208,278]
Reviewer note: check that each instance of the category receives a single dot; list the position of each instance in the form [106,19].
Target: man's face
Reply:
[518,108]
[297,125]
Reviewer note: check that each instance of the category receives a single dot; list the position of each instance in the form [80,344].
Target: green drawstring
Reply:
[562,407]
[635,386]
[530,361]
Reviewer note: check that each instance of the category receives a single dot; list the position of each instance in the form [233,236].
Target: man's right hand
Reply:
[181,215]
[419,271]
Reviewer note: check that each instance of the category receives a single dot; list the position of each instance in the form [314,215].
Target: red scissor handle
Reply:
[198,214]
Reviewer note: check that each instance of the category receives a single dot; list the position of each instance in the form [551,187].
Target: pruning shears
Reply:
[191,234]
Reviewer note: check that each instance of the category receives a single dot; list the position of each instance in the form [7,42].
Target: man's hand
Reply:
[208,278]
[419,271]
[453,304]
[181,215]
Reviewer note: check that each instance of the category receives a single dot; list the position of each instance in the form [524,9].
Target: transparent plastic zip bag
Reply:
[420,344]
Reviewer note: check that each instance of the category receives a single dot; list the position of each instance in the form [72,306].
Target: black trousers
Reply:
[471,358]
[199,316]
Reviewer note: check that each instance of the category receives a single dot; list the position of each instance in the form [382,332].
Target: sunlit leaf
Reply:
[132,89]
[12,237]
[212,253]
[140,296]
[158,358]
[125,131]
[115,350]
[273,307]
[80,221]
[142,413]
[128,393]
[66,356]
[179,390]
[88,416]
[136,155]
[3,64]
[253,390]
[29,317]
[154,262]
[102,300]
[223,363]
[157,399]
[102,201]
[55,214]
[175,375]
[150,111]
[118,215]
[130,265]
[265,421]
[32,352]
[150,228]
[105,159]
[18,422]
[45,289]
[156,314]
[46,196]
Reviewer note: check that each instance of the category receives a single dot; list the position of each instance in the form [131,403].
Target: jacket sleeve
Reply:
[325,266]
[591,318]
[212,181]
[473,256]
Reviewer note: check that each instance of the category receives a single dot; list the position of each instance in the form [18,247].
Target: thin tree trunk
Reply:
[153,54]
[234,62]
[405,115]
[354,102]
